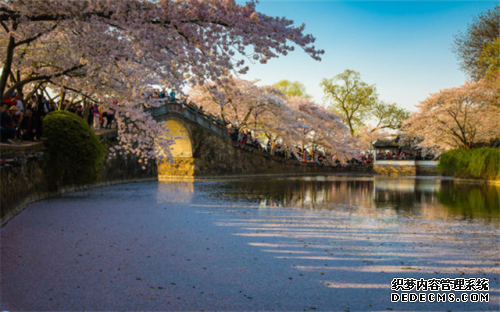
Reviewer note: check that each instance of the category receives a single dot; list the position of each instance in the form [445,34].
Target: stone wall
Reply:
[395,170]
[181,167]
[22,181]
[406,167]
[427,168]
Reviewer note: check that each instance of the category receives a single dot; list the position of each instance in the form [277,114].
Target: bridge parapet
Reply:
[191,113]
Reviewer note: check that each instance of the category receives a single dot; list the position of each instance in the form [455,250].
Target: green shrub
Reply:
[477,163]
[75,155]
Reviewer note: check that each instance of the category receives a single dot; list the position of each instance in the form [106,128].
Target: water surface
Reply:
[310,243]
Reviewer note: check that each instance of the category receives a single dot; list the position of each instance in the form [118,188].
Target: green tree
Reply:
[468,46]
[389,115]
[292,88]
[489,61]
[351,98]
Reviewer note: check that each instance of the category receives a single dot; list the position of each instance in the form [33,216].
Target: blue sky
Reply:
[403,47]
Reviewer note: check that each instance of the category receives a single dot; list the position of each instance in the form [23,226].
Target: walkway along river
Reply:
[311,243]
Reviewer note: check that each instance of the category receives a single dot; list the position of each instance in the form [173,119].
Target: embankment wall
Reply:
[406,168]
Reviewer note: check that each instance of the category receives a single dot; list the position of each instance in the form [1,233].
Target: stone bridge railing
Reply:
[191,113]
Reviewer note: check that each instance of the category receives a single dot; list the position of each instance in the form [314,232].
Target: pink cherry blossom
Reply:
[457,117]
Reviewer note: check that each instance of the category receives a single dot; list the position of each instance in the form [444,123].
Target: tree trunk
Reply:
[7,65]
[85,110]
[18,77]
[61,100]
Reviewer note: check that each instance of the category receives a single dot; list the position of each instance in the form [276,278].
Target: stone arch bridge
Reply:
[199,140]
[203,148]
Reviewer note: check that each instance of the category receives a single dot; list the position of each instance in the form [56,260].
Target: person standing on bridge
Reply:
[172,96]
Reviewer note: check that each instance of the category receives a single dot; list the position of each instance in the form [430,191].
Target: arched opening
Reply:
[182,146]
[181,150]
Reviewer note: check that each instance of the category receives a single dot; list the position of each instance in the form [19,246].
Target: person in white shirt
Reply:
[19,102]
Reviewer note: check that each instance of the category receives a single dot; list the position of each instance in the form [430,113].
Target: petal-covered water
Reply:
[311,243]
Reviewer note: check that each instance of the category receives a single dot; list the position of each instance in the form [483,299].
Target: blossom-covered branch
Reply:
[120,48]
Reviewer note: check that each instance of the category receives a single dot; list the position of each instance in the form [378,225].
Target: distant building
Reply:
[389,149]
[393,159]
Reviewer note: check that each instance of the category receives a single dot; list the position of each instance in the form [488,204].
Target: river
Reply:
[329,243]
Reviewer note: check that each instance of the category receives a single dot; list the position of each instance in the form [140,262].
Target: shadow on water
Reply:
[360,232]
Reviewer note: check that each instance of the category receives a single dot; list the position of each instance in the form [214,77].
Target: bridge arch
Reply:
[181,150]
[197,138]
[183,146]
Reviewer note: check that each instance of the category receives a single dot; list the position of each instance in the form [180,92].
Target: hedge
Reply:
[74,153]
[476,163]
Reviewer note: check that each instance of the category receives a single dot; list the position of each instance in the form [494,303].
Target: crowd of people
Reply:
[159,94]
[244,137]
[98,118]
[365,158]
[274,148]
[395,156]
[22,120]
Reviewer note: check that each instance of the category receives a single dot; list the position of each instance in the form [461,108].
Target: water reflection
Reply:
[371,196]
[479,201]
[178,191]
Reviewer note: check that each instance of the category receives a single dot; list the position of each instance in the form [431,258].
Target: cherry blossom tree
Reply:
[491,86]
[321,129]
[456,117]
[369,134]
[262,109]
[294,121]
[234,100]
[113,50]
